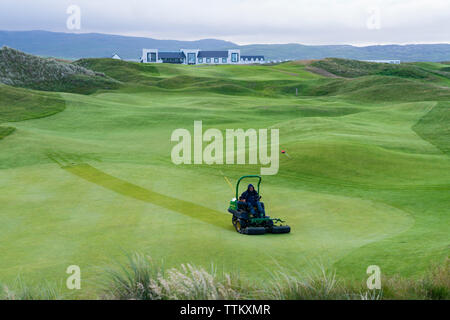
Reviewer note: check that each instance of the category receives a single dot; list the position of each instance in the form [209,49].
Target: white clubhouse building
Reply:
[196,56]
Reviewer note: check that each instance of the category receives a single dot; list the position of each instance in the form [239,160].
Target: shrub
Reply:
[144,279]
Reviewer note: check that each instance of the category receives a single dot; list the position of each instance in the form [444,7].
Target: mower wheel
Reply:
[254,230]
[281,229]
[238,224]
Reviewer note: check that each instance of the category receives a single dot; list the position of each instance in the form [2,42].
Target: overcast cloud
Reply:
[246,21]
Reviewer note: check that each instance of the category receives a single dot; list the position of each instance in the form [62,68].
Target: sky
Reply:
[317,22]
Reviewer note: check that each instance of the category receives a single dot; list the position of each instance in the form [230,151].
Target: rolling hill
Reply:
[24,70]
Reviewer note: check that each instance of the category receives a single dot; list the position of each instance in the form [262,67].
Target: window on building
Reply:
[191,58]
[216,60]
[200,60]
[208,60]
[224,60]
[234,57]
[151,57]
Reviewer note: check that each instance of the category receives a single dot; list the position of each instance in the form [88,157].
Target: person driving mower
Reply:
[251,198]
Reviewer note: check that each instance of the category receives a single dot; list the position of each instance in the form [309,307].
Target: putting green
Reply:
[363,184]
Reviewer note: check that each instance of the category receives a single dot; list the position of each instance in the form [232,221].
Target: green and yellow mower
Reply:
[246,223]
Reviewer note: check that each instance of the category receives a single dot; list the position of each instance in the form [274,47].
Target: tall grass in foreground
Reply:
[22,291]
[435,285]
[142,278]
[320,285]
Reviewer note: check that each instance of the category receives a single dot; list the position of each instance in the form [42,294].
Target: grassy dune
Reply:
[19,104]
[367,181]
[434,127]
[24,70]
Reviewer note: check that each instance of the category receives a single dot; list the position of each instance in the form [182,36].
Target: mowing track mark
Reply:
[125,188]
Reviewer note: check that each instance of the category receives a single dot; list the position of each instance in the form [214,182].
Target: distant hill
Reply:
[354,68]
[405,53]
[19,69]
[94,45]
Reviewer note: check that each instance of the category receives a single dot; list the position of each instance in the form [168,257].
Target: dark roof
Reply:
[252,57]
[213,54]
[173,55]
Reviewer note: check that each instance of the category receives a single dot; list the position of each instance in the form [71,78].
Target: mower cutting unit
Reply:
[246,223]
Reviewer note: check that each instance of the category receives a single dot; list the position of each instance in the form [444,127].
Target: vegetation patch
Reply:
[28,71]
[434,126]
[5,131]
[20,290]
[144,279]
[355,68]
[120,70]
[19,104]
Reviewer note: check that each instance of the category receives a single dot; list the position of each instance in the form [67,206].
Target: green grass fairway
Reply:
[87,178]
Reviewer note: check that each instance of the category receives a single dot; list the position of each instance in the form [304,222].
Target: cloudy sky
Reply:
[355,22]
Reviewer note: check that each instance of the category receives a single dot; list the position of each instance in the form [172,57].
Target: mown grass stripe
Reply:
[204,214]
[6,131]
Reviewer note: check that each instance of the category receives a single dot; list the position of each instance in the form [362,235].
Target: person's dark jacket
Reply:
[250,196]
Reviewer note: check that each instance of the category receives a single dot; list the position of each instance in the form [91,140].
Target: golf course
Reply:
[86,175]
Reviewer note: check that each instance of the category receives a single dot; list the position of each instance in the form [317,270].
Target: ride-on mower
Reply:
[246,223]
